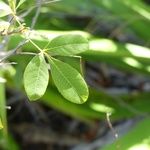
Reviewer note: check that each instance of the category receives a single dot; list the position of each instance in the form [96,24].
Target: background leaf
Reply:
[69,81]
[36,77]
[68,45]
[20,3]
[4,9]
[12,4]
[136,139]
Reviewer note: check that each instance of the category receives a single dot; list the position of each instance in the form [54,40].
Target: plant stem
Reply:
[3,113]
[35,45]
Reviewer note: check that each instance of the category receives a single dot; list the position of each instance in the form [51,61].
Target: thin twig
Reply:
[39,5]
[36,14]
[110,125]
[26,53]
[14,51]
[113,130]
[5,64]
[35,6]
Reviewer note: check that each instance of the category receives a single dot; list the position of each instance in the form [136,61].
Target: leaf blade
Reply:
[1,125]
[75,62]
[4,9]
[69,81]
[20,3]
[36,78]
[68,45]
[12,4]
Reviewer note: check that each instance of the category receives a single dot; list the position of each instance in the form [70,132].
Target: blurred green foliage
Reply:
[135,139]
[111,27]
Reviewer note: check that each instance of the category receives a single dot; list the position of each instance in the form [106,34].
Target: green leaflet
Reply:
[69,81]
[4,9]
[20,3]
[12,4]
[74,62]
[36,77]
[68,45]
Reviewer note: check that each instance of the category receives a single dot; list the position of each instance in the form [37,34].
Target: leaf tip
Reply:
[34,97]
[84,98]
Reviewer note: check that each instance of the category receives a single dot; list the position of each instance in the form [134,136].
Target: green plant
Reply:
[68,80]
[51,54]
[36,75]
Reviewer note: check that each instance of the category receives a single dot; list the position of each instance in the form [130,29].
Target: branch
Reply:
[14,51]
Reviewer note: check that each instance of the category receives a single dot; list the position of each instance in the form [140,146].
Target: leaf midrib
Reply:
[66,45]
[37,79]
